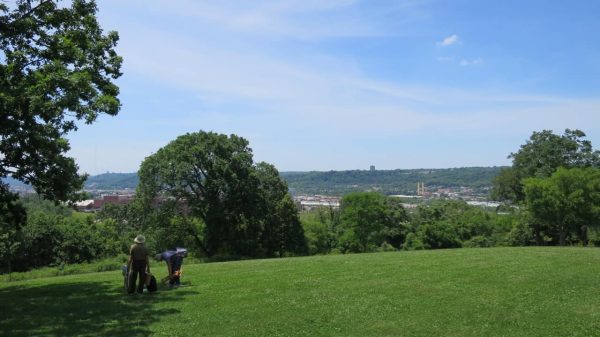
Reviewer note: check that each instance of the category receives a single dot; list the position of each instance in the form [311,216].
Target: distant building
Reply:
[98,204]
[372,168]
[404,196]
[307,203]
[85,205]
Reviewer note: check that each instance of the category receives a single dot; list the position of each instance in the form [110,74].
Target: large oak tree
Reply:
[244,208]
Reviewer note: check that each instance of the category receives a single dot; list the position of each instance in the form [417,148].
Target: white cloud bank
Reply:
[448,41]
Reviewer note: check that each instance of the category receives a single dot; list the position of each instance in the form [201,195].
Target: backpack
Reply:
[151,285]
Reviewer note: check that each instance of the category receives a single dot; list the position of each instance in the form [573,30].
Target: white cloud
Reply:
[297,19]
[319,92]
[445,59]
[471,62]
[448,41]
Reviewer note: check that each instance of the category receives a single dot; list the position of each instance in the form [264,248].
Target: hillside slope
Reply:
[389,181]
[464,292]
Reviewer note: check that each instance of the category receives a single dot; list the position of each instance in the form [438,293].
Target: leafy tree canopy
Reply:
[566,203]
[56,67]
[545,152]
[368,219]
[245,208]
[541,156]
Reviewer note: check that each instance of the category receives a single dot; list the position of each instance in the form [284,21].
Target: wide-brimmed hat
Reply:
[139,239]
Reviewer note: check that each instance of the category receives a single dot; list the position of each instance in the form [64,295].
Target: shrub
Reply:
[413,242]
[439,234]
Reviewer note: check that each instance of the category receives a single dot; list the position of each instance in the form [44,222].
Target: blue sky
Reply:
[344,84]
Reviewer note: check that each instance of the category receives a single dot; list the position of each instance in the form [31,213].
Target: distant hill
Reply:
[339,182]
[389,181]
[105,181]
[14,183]
[112,181]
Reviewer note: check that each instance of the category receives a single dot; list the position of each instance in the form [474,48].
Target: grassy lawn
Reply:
[463,292]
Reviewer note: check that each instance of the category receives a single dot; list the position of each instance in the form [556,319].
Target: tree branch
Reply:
[31,11]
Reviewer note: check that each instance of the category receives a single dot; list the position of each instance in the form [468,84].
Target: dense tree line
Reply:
[54,235]
[366,222]
[341,182]
[389,181]
[369,221]
[112,181]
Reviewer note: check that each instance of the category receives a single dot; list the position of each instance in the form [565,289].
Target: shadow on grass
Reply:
[83,309]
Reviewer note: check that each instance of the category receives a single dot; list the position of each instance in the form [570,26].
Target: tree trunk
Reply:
[199,242]
[194,234]
[584,235]
[562,237]
[538,236]
[9,269]
[201,245]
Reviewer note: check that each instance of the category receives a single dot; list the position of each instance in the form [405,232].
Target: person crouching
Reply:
[174,260]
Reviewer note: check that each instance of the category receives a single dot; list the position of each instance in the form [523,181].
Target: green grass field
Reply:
[463,292]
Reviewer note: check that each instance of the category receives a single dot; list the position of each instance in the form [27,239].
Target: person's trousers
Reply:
[137,267]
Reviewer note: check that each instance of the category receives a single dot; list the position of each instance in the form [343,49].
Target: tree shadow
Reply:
[83,309]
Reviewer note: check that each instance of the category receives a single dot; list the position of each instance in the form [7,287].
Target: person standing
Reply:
[138,263]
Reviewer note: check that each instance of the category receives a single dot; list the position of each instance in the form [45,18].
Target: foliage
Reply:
[541,156]
[544,152]
[413,242]
[368,219]
[57,67]
[452,224]
[54,240]
[319,228]
[388,181]
[520,234]
[12,216]
[287,230]
[507,186]
[363,217]
[54,235]
[243,207]
[343,182]
[566,203]
[438,224]
[439,234]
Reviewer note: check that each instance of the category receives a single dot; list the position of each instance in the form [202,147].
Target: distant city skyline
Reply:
[343,84]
